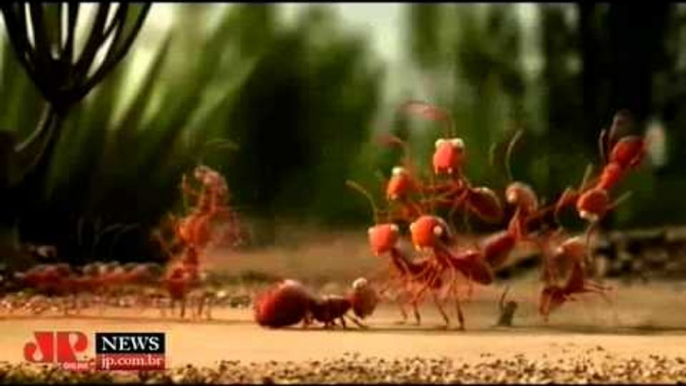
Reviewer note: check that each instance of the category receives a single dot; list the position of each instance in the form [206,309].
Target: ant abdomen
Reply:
[284,305]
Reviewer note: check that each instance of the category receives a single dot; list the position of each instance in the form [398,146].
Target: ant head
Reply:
[593,204]
[364,298]
[427,231]
[383,238]
[449,155]
[522,196]
[400,183]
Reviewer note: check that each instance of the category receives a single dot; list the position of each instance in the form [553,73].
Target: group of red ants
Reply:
[417,210]
[208,222]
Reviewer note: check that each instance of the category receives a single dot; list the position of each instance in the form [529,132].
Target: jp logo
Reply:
[60,347]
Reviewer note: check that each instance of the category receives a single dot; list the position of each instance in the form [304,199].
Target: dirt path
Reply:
[581,327]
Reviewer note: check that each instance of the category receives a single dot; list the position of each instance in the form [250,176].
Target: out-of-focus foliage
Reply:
[469,56]
[594,61]
[301,119]
[300,101]
[296,100]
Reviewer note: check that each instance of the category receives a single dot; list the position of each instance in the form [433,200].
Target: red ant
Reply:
[432,234]
[554,295]
[408,273]
[448,159]
[290,303]
[592,198]
[403,184]
[196,232]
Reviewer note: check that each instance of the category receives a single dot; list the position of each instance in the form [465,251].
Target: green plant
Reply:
[62,80]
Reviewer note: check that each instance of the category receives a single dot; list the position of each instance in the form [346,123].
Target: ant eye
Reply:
[438,230]
[457,142]
[359,283]
[512,196]
[439,142]
[592,217]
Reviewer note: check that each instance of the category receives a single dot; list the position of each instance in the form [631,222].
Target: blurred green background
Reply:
[302,89]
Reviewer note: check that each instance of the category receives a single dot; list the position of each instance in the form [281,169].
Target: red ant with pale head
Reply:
[432,234]
[290,302]
[554,295]
[448,160]
[405,273]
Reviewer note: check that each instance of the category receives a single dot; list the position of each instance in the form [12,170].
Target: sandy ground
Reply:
[643,321]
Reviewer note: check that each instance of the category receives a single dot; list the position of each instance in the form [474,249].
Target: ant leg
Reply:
[210,303]
[417,316]
[561,203]
[201,304]
[307,320]
[357,322]
[402,311]
[601,291]
[439,306]
[597,286]
[342,320]
[458,306]
[431,279]
[501,303]
[183,306]
[459,201]
[470,287]
[545,309]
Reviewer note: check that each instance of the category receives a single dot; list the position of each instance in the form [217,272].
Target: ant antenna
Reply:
[491,154]
[621,199]
[593,227]
[587,176]
[602,145]
[364,192]
[508,153]
[431,112]
[393,140]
